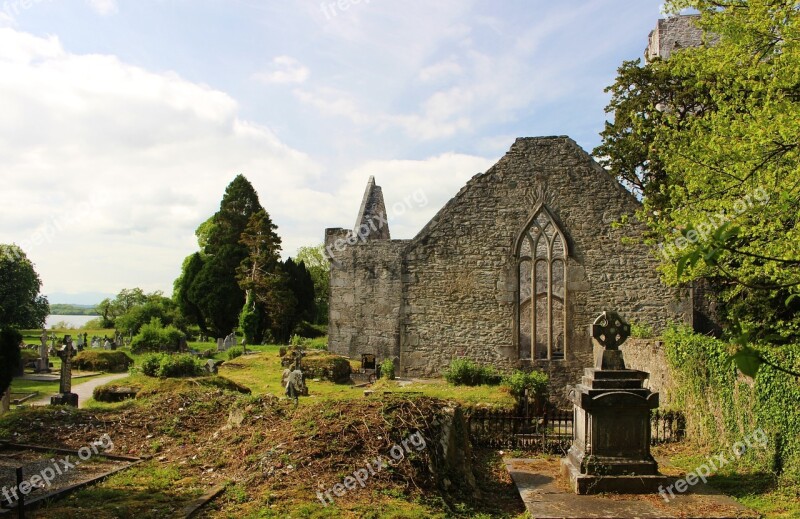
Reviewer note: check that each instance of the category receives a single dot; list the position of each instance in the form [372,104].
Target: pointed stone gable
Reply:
[372,222]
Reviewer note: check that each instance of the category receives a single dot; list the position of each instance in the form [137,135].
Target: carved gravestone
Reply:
[43,363]
[610,451]
[65,395]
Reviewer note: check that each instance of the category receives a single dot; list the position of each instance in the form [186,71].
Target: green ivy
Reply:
[722,406]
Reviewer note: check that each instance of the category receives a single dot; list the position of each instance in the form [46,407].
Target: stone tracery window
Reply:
[542,264]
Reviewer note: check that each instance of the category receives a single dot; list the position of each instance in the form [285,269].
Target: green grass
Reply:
[752,488]
[151,486]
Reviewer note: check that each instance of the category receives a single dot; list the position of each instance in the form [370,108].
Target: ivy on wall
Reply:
[722,406]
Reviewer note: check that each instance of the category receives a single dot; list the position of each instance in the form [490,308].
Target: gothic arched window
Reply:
[542,296]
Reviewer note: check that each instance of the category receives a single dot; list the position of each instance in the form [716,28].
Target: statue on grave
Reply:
[66,396]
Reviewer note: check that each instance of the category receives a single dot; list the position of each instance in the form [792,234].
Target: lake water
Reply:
[75,321]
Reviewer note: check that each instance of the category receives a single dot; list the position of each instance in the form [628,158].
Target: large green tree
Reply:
[264,282]
[187,306]
[21,306]
[320,270]
[215,289]
[712,136]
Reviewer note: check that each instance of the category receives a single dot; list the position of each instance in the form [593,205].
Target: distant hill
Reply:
[65,309]
[77,298]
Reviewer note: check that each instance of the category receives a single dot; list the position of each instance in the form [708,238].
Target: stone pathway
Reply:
[547,496]
[84,390]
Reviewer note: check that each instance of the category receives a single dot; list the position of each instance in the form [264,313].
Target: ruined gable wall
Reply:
[365,300]
[461,270]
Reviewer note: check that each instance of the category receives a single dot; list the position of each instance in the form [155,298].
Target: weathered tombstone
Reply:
[212,366]
[611,431]
[65,395]
[220,344]
[43,364]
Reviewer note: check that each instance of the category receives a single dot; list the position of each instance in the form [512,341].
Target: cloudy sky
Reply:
[122,121]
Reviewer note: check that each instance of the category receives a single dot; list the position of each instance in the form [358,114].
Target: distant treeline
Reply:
[61,309]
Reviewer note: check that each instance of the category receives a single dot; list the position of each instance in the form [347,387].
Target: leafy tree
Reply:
[21,304]
[209,290]
[187,306]
[726,165]
[156,306]
[302,285]
[263,280]
[319,268]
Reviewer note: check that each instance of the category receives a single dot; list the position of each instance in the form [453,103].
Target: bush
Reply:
[641,331]
[183,365]
[151,364]
[9,356]
[535,382]
[310,331]
[155,337]
[28,355]
[235,352]
[110,361]
[387,369]
[464,372]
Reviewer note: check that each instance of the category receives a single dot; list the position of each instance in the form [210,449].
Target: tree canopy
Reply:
[21,304]
[711,139]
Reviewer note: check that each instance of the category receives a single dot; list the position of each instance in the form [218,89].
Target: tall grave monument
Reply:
[65,395]
[611,440]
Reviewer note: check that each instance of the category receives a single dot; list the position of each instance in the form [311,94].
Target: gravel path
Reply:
[84,390]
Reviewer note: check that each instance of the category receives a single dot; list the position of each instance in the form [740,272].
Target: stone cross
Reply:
[66,354]
[44,359]
[610,331]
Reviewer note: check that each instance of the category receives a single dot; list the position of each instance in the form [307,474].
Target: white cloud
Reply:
[106,175]
[413,190]
[104,7]
[284,69]
[440,71]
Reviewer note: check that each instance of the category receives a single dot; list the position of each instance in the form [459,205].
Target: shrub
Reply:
[110,361]
[535,382]
[180,366]
[155,337]
[28,355]
[387,369]
[235,352]
[464,372]
[641,331]
[9,356]
[151,364]
[310,331]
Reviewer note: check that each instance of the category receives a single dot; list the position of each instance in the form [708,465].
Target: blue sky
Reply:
[123,121]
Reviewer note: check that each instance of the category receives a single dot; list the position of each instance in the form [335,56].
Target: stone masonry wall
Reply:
[364,315]
[460,280]
[648,355]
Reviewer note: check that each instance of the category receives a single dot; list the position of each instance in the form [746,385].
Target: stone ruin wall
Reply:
[461,271]
[366,289]
[648,355]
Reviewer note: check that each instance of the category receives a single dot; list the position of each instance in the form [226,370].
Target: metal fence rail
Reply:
[551,430]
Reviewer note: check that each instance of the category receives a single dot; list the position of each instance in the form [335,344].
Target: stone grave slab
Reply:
[547,495]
